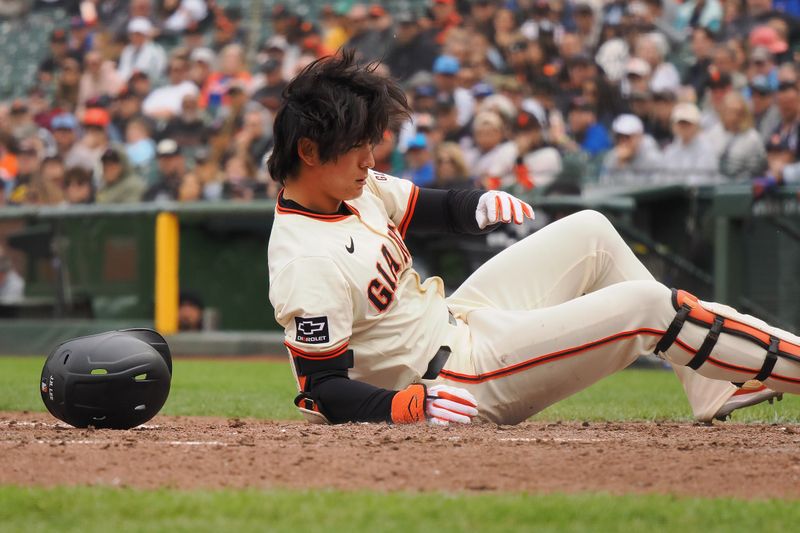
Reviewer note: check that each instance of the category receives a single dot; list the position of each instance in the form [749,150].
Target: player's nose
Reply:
[368,158]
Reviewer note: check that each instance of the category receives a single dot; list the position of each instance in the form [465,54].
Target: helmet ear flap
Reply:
[154,339]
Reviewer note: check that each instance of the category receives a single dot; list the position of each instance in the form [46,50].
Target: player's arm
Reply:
[450,211]
[312,301]
[327,390]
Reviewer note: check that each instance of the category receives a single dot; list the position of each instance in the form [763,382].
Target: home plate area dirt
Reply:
[746,461]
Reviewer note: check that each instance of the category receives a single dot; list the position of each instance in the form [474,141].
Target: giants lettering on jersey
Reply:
[381,289]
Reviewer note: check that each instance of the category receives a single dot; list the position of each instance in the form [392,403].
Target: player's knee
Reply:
[593,221]
[648,298]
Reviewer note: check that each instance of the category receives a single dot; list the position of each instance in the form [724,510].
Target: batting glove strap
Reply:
[408,405]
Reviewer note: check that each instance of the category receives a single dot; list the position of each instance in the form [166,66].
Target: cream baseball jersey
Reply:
[345,281]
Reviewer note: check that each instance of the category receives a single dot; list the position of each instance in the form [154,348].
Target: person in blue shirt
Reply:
[419,162]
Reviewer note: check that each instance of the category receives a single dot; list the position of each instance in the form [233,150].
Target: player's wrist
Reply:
[408,405]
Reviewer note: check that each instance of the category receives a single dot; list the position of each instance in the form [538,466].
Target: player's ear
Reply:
[308,151]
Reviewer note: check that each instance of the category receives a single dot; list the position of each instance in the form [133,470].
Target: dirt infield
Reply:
[749,461]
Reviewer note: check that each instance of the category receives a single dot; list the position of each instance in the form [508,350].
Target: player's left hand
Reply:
[445,404]
[499,206]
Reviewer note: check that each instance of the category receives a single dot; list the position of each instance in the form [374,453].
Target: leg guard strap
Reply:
[674,329]
[770,360]
[708,344]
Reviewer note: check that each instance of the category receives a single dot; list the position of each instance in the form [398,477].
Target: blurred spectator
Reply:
[255,136]
[492,159]
[190,189]
[702,13]
[766,116]
[653,48]
[231,71]
[140,148]
[410,52]
[125,108]
[99,79]
[659,119]
[537,164]
[635,157]
[50,66]
[445,69]
[702,46]
[762,65]
[188,127]
[81,37]
[95,139]
[273,84]
[118,182]
[201,64]
[68,84]
[166,102]
[190,312]
[740,148]
[419,162]
[719,85]
[787,101]
[22,126]
[12,286]
[450,168]
[585,132]
[142,54]
[689,159]
[209,174]
[171,168]
[78,186]
[367,42]
[28,159]
[65,135]
[45,187]
[240,182]
[187,14]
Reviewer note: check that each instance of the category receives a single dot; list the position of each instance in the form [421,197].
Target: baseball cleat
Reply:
[751,393]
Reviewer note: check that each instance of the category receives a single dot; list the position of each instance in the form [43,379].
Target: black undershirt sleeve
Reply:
[451,211]
[342,399]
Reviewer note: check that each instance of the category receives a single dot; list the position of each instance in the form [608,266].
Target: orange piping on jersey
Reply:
[336,217]
[410,207]
[399,242]
[329,354]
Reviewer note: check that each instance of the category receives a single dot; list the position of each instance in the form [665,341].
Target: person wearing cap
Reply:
[12,285]
[271,86]
[584,131]
[28,160]
[165,102]
[787,100]
[719,84]
[766,116]
[739,146]
[637,76]
[94,142]
[142,54]
[118,182]
[445,69]
[689,158]
[419,161]
[171,168]
[635,158]
[411,51]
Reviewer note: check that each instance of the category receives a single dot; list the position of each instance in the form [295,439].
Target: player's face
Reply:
[345,177]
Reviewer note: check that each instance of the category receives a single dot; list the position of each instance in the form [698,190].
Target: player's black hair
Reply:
[338,104]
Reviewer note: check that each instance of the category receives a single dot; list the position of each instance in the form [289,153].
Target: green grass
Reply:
[266,389]
[90,509]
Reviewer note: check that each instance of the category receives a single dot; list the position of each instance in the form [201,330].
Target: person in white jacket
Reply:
[142,54]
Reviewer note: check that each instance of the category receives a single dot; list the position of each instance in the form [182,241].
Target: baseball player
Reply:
[371,341]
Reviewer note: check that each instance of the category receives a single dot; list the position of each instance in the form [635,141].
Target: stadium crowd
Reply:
[173,99]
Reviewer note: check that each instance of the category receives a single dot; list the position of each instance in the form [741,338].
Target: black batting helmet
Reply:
[116,380]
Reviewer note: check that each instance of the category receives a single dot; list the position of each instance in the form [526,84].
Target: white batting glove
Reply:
[499,206]
[446,404]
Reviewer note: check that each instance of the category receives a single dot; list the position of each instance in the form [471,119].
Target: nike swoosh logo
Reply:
[352,246]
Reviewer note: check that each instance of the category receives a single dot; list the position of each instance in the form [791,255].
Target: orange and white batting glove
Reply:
[499,206]
[446,404]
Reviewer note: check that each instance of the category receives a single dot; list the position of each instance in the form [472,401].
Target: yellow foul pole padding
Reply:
[166,293]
